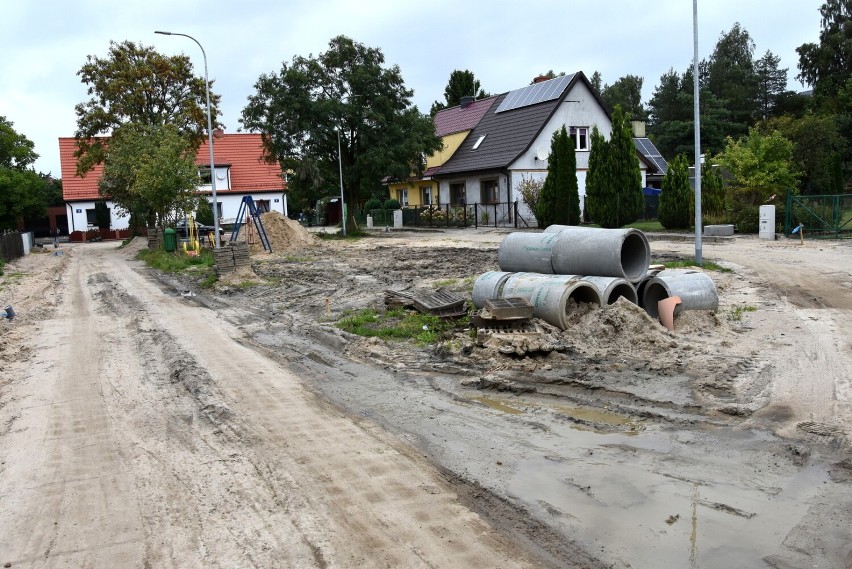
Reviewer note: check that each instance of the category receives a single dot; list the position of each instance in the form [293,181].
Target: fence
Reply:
[823,217]
[454,215]
[12,246]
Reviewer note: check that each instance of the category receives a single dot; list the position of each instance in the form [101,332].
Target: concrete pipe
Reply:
[553,296]
[695,289]
[640,286]
[526,252]
[489,285]
[602,252]
[556,228]
[613,288]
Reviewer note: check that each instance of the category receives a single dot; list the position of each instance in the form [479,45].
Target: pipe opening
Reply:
[584,293]
[622,290]
[634,256]
[654,293]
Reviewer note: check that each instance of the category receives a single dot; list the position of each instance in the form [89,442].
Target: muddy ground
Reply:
[722,444]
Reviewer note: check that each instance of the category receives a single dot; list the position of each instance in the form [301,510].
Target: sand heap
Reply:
[283,233]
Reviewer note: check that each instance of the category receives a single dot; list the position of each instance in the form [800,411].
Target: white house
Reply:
[240,170]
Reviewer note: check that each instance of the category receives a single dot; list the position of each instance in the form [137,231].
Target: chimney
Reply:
[638,128]
[467,101]
[540,78]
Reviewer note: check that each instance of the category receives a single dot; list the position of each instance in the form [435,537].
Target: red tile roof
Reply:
[242,152]
[457,119]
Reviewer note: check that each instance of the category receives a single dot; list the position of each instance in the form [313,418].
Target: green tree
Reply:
[672,116]
[615,196]
[135,84]
[550,74]
[559,201]
[23,192]
[150,173]
[347,87]
[761,166]
[676,196]
[827,66]
[461,84]
[816,144]
[712,193]
[596,81]
[731,77]
[627,92]
[771,83]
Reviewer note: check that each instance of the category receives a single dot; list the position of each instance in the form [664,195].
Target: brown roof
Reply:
[457,119]
[242,152]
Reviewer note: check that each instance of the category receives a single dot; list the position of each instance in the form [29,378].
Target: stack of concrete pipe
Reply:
[566,264]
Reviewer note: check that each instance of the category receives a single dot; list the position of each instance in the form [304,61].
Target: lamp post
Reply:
[340,165]
[209,136]
[696,111]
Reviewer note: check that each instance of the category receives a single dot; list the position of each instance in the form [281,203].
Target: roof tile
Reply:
[457,119]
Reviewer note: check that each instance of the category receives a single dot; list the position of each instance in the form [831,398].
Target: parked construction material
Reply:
[527,252]
[695,289]
[601,252]
[613,288]
[489,285]
[552,296]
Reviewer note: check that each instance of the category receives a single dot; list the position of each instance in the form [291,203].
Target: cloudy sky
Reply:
[45,42]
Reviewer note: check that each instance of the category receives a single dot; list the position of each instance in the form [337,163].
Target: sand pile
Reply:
[283,233]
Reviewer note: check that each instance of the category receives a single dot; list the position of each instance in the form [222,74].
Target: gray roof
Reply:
[647,149]
[508,133]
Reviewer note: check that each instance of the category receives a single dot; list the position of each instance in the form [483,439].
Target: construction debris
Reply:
[441,303]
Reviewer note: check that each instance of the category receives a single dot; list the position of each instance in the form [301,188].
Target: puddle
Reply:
[593,415]
[498,405]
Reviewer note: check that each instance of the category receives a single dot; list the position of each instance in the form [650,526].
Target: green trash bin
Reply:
[169,240]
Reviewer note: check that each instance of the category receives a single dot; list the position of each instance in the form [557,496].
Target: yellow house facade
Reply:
[453,125]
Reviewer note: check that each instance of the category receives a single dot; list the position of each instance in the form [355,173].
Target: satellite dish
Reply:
[542,152]
[220,175]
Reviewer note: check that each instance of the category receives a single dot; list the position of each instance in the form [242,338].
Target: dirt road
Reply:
[138,431]
[238,427]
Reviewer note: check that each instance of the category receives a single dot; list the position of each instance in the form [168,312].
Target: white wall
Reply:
[473,189]
[77,216]
[231,203]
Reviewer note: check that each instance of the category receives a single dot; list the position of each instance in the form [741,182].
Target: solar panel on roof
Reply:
[535,93]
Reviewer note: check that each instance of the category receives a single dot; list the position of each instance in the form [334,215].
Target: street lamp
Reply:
[340,164]
[209,137]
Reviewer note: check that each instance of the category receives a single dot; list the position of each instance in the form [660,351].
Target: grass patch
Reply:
[446,282]
[736,313]
[647,225]
[397,324]
[685,263]
[175,262]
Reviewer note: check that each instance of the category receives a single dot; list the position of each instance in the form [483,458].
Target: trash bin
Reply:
[169,240]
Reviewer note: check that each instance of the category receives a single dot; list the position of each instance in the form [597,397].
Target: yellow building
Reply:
[453,125]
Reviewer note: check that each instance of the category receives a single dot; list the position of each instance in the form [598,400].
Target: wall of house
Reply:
[473,187]
[415,192]
[231,203]
[451,144]
[77,219]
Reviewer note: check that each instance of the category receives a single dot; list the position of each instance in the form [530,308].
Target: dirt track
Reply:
[142,427]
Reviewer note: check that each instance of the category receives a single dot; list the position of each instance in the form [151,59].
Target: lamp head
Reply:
[163,33]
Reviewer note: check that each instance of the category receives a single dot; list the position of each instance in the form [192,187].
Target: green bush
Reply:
[204,215]
[392,204]
[676,197]
[372,204]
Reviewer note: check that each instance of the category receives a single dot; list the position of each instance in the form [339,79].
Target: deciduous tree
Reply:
[135,84]
[349,88]
[150,173]
[827,65]
[23,192]
[627,92]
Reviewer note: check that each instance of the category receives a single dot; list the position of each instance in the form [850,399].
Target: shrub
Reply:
[372,204]
[392,204]
[674,209]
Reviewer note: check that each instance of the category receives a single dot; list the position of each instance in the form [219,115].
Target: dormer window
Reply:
[204,175]
[478,142]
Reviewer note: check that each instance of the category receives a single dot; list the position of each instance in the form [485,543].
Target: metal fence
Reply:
[453,215]
[823,217]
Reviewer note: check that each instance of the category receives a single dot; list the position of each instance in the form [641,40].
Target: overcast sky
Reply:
[45,42]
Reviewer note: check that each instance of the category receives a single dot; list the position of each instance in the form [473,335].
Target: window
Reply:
[426,194]
[91,217]
[580,134]
[457,193]
[488,191]
[206,178]
[262,205]
[478,142]
[218,208]
[402,197]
